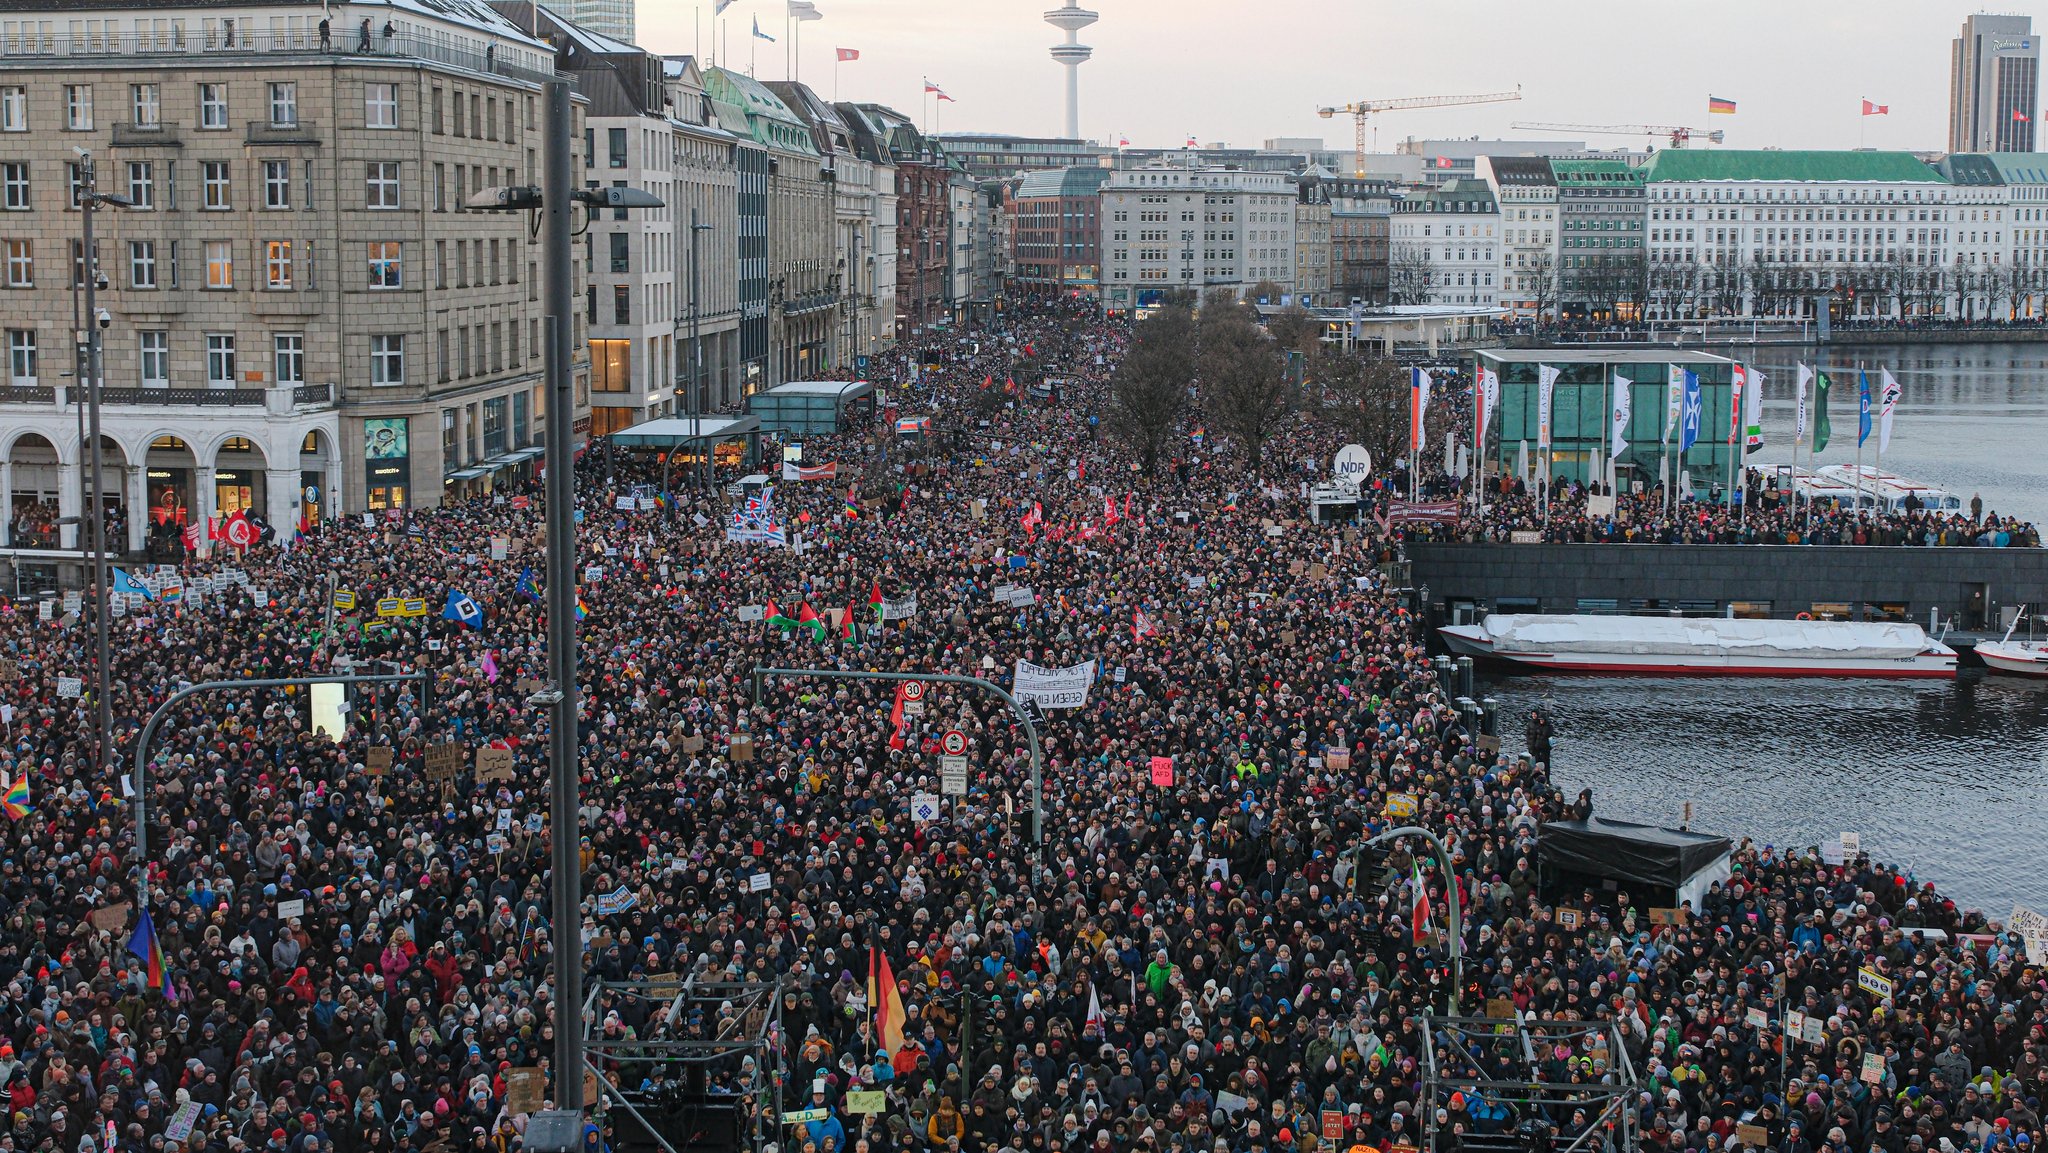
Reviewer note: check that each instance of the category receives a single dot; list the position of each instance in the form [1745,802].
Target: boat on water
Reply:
[1704,646]
[2028,658]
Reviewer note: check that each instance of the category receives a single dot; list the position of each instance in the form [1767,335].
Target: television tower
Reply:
[1071,56]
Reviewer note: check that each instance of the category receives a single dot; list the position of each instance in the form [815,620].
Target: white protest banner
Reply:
[902,608]
[1065,688]
[70,688]
[750,613]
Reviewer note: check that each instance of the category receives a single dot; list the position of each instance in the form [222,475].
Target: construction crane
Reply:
[1678,135]
[1361,109]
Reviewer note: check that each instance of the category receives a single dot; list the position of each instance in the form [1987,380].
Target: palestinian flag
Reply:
[777,620]
[875,601]
[846,623]
[808,618]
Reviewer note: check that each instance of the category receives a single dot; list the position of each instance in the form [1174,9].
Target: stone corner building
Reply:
[304,321]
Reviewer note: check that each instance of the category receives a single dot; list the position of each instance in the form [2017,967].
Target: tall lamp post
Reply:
[94,322]
[553,200]
[696,356]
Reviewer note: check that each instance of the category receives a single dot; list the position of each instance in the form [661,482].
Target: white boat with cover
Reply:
[1705,646]
[2028,658]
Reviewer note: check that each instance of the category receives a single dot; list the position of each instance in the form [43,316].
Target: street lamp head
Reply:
[618,197]
[505,198]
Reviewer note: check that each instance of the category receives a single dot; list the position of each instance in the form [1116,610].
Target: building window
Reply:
[380,105]
[220,360]
[284,104]
[494,425]
[622,304]
[21,264]
[78,107]
[14,108]
[621,253]
[142,184]
[616,148]
[277,184]
[277,263]
[381,183]
[288,352]
[14,186]
[214,183]
[146,104]
[155,348]
[142,264]
[21,356]
[220,264]
[387,270]
[440,188]
[213,106]
[611,366]
[387,360]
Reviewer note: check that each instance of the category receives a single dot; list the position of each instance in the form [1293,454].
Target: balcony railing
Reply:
[322,393]
[271,132]
[161,135]
[200,397]
[227,38]
[26,394]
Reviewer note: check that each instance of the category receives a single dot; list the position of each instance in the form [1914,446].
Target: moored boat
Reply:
[1705,646]
[2027,658]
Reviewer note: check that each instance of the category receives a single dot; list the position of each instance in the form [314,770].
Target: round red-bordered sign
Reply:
[913,691]
[954,742]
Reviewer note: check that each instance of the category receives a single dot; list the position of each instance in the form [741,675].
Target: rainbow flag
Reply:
[582,610]
[16,800]
[1722,107]
[143,945]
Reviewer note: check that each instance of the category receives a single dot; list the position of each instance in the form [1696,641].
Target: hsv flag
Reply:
[1870,109]
[846,54]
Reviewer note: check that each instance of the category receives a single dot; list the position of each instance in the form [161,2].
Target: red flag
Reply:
[896,718]
[988,382]
[1419,915]
[2019,116]
[875,594]
[1870,109]
[1443,162]
[1109,513]
[846,622]
[846,54]
[192,536]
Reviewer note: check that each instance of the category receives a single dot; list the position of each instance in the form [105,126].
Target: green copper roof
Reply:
[1691,164]
[1596,173]
[2020,167]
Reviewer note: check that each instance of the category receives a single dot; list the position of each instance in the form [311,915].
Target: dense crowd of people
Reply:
[1194,958]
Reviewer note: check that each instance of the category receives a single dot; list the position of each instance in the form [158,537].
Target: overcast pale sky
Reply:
[1240,71]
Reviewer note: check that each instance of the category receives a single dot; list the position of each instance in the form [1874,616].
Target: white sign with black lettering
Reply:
[70,688]
[924,808]
[759,882]
[1065,688]
[953,776]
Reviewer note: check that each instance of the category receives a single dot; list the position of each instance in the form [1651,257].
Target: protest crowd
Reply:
[348,958]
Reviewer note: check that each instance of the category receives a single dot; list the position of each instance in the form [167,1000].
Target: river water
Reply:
[1972,418]
[1950,779]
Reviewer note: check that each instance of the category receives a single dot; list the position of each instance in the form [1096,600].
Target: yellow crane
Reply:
[1359,110]
[1678,135]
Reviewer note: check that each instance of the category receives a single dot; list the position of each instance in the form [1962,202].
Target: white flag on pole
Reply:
[1674,398]
[1890,392]
[1799,404]
[1619,440]
[1546,388]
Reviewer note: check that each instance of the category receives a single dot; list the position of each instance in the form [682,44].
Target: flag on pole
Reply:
[1618,440]
[1719,107]
[1870,109]
[1419,911]
[808,618]
[2019,116]
[1821,429]
[1753,412]
[803,10]
[129,586]
[1738,377]
[760,35]
[846,54]
[1546,391]
[846,622]
[526,587]
[489,666]
[932,89]
[1862,407]
[1674,399]
[462,610]
[718,7]
[896,725]
[16,800]
[1418,407]
[1094,1020]
[1689,419]
[1799,404]
[885,1002]
[144,947]
[1123,141]
[1888,399]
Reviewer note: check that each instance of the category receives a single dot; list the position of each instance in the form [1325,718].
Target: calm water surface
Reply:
[1973,418]
[1948,779]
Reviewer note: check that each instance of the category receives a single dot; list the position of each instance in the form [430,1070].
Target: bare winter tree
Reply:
[1541,285]
[1243,383]
[1410,274]
[1365,395]
[1149,393]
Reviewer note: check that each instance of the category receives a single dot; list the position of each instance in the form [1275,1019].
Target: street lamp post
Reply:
[553,199]
[696,357]
[94,322]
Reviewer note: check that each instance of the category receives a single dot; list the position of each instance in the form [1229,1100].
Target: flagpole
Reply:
[1861,386]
